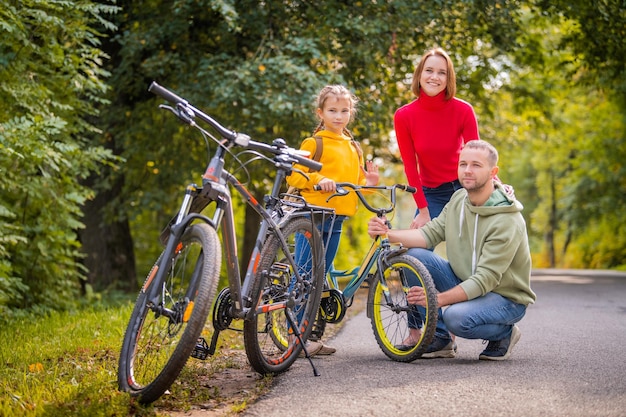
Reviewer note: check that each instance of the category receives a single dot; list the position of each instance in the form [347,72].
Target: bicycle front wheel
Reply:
[390,313]
[268,336]
[163,331]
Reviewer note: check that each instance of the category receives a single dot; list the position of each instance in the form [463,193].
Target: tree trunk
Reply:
[553,225]
[108,247]
[251,228]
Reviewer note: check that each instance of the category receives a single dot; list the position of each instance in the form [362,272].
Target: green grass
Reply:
[65,364]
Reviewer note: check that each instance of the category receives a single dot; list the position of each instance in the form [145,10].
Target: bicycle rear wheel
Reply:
[268,337]
[389,311]
[162,332]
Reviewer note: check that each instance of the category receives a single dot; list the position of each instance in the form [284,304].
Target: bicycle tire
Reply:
[390,322]
[156,348]
[266,333]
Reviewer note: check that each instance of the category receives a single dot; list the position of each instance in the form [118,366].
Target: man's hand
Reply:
[416,296]
[377,226]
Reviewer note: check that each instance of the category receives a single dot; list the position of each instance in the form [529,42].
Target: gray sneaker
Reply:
[499,350]
[440,348]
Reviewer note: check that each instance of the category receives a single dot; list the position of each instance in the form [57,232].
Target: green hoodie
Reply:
[487,246]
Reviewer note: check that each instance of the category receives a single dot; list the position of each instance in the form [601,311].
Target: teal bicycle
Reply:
[383,270]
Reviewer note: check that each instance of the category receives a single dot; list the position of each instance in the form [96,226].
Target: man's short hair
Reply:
[492,152]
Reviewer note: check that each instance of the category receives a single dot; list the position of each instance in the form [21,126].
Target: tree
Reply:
[565,146]
[52,77]
[256,66]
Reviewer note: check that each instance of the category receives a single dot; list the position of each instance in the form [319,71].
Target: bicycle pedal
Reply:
[201,350]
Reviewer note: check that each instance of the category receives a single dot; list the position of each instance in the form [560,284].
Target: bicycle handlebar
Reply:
[341,191]
[187,113]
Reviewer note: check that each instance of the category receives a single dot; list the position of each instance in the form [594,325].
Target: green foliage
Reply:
[562,146]
[256,67]
[51,71]
[603,246]
[598,39]
[530,68]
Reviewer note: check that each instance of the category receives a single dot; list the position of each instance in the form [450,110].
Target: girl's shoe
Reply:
[312,348]
[326,350]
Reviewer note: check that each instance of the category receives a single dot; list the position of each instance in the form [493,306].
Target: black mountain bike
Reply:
[277,298]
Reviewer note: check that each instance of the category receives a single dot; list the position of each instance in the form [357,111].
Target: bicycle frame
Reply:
[381,244]
[167,322]
[216,190]
[216,183]
[357,274]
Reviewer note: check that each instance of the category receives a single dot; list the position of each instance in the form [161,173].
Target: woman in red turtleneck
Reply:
[431,132]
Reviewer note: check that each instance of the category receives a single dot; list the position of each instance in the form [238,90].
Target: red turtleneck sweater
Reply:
[431,133]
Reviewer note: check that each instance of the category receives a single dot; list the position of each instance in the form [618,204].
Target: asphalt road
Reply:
[570,361]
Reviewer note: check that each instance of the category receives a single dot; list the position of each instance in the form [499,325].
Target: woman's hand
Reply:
[421,219]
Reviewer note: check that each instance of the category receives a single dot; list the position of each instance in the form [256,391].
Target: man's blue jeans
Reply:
[489,317]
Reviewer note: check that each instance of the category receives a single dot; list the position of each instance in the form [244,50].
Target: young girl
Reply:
[342,162]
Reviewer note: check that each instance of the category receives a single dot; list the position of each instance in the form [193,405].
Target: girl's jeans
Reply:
[331,234]
[489,317]
[330,237]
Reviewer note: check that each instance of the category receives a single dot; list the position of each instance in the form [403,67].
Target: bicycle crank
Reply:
[221,311]
[221,320]
[332,306]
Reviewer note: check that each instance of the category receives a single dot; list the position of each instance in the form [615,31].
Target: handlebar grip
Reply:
[409,189]
[311,164]
[165,93]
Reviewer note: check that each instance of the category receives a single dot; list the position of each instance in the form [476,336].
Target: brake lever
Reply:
[339,192]
[181,111]
[299,171]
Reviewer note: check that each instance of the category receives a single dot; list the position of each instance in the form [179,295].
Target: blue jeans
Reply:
[331,235]
[489,317]
[438,197]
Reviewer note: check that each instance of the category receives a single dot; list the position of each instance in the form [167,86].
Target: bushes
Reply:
[50,67]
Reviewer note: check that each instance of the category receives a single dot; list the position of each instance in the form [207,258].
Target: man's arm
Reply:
[452,296]
[411,238]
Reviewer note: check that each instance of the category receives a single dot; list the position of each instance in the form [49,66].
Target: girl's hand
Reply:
[327,185]
[371,173]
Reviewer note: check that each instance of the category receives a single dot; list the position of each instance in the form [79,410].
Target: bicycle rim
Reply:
[390,321]
[156,345]
[268,338]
